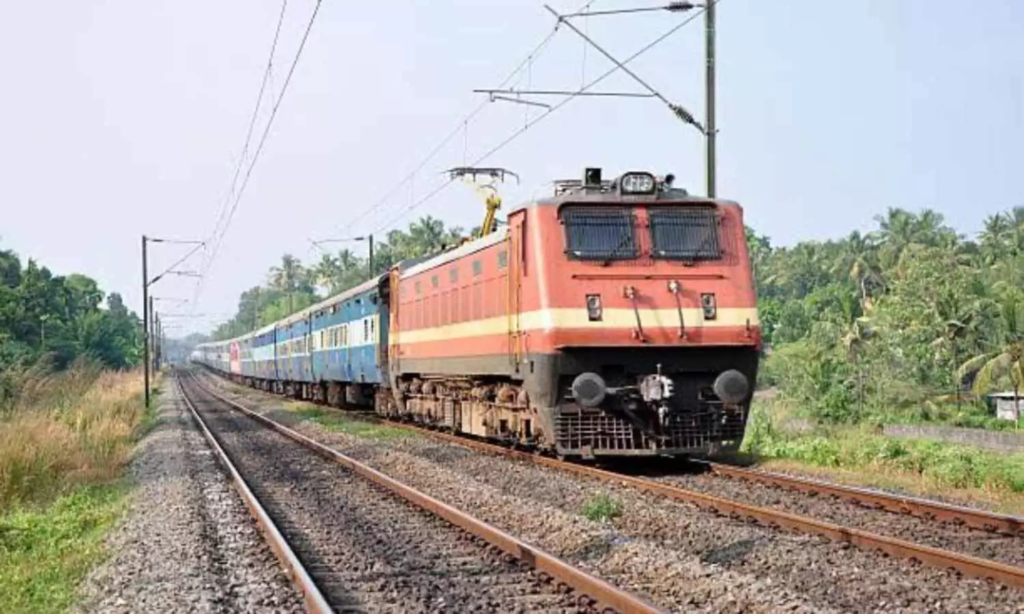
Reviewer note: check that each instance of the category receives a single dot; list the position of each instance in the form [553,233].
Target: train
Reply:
[610,318]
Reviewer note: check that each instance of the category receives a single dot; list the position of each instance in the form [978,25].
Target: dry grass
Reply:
[65,430]
[64,440]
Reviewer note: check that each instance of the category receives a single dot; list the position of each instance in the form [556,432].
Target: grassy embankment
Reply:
[860,454]
[64,442]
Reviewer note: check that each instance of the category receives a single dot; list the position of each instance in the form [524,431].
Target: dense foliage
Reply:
[910,321]
[61,318]
[292,285]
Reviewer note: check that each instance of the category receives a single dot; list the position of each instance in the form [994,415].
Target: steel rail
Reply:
[584,583]
[312,598]
[923,508]
[865,540]
[935,557]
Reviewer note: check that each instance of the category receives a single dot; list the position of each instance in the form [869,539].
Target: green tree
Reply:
[1006,363]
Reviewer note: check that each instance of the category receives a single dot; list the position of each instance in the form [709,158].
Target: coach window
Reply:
[502,259]
[478,267]
[366,331]
[453,274]
[417,285]
[434,282]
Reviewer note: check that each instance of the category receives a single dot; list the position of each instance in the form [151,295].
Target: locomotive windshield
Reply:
[605,233]
[685,233]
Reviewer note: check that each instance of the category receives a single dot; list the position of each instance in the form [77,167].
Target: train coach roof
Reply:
[262,331]
[366,286]
[469,247]
[672,196]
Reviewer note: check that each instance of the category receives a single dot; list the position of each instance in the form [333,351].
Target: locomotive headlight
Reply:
[637,183]
[589,389]
[731,386]
[707,303]
[594,310]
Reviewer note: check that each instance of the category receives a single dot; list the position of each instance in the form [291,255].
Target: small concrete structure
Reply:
[1003,402]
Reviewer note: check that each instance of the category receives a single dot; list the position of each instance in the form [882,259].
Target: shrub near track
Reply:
[928,466]
[63,447]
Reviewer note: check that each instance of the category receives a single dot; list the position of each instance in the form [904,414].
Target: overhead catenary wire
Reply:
[259,149]
[680,111]
[519,132]
[462,127]
[252,121]
[171,268]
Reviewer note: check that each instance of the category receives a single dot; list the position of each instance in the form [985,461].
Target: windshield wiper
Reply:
[626,237]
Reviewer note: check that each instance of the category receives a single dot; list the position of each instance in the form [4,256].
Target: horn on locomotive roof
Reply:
[486,189]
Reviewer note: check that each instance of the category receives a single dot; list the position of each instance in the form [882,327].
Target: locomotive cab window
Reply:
[685,233]
[600,233]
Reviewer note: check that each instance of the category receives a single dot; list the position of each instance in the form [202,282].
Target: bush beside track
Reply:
[63,448]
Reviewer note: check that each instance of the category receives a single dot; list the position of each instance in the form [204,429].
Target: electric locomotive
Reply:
[614,318]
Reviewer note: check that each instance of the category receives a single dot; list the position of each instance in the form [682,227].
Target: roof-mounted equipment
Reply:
[637,183]
[485,188]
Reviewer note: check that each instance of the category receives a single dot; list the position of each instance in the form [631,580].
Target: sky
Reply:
[121,118]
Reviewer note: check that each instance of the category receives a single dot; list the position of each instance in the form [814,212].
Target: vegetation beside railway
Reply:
[911,322]
[64,444]
[57,319]
[862,455]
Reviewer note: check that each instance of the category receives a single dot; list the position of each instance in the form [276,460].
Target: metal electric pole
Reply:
[152,336]
[159,332]
[145,319]
[709,94]
[148,313]
[370,261]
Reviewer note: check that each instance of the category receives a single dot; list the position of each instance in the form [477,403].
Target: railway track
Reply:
[900,504]
[995,535]
[353,539]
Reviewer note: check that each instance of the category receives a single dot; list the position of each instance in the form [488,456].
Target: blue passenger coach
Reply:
[335,350]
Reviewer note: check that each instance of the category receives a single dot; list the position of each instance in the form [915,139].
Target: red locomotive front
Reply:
[616,318]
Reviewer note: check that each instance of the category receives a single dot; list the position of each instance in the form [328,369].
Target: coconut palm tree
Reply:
[327,272]
[1006,362]
[289,277]
[996,236]
[858,260]
[895,232]
[427,235]
[1015,217]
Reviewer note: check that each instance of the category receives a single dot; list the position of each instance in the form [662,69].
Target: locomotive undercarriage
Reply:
[645,408]
[480,407]
[650,401]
